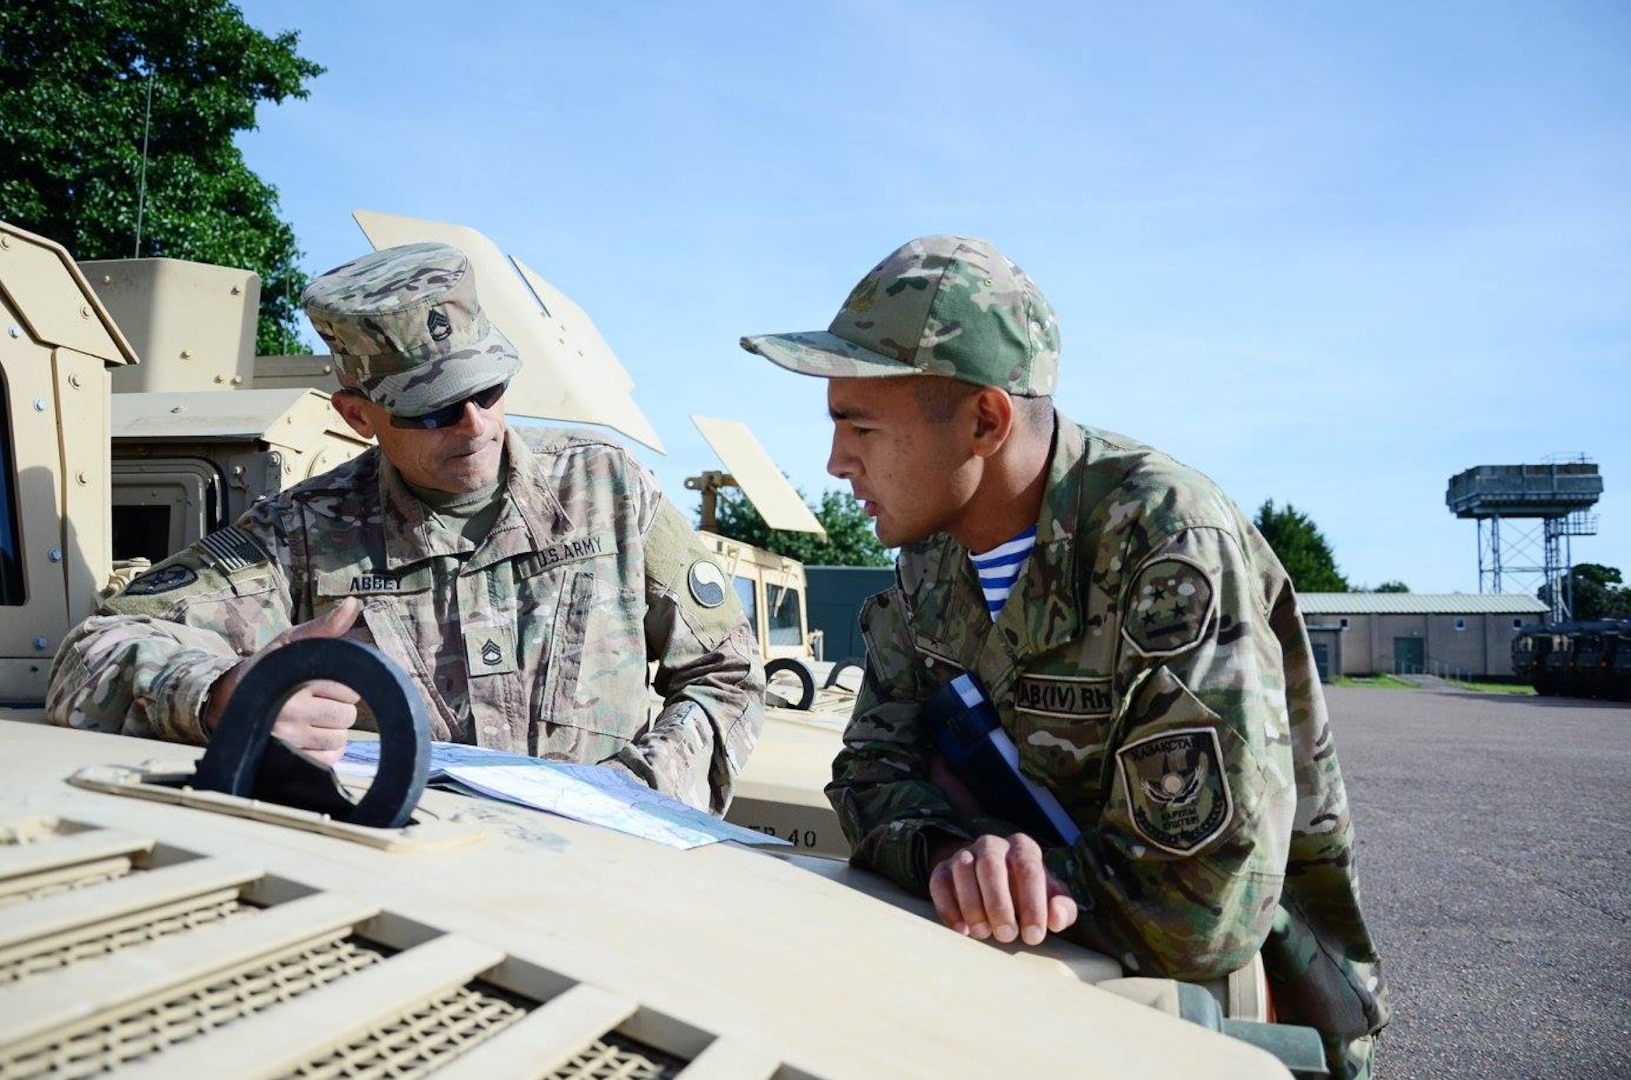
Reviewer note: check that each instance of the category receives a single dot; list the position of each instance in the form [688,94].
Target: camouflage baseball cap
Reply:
[406,329]
[939,305]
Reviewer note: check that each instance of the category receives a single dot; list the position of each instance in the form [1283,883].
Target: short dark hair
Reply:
[938,396]
[1037,413]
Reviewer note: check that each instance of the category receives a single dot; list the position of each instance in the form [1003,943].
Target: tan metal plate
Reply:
[757,475]
[556,380]
[192,324]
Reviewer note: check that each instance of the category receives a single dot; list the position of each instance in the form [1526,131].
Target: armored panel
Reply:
[563,374]
[160,938]
[1536,491]
[54,303]
[577,333]
[56,343]
[756,474]
[192,324]
[297,371]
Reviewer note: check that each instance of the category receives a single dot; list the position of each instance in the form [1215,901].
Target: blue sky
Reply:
[1330,254]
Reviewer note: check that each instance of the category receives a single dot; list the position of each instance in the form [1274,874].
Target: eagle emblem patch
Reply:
[1175,789]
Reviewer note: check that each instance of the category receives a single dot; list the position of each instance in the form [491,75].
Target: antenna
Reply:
[141,183]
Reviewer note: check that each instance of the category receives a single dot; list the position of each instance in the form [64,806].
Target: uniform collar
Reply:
[1043,612]
[532,517]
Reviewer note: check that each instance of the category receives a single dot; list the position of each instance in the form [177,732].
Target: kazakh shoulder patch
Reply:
[707,583]
[164,579]
[1177,795]
[1169,607]
[231,549]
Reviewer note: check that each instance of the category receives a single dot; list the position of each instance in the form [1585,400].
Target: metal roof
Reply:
[1368,603]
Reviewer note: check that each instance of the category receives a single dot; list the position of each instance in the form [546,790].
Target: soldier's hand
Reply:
[316,717]
[999,887]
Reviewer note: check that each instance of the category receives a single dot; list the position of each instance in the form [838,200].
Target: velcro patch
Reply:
[231,549]
[1175,789]
[569,549]
[360,581]
[489,650]
[1071,697]
[164,579]
[1169,607]
[706,582]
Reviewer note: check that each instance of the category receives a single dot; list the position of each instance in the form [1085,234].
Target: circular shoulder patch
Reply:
[1177,795]
[707,583]
[162,580]
[1169,607]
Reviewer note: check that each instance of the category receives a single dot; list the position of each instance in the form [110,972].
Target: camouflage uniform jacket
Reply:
[1152,670]
[536,641]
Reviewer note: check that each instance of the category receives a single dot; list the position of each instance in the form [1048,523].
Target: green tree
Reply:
[85,83]
[1598,592]
[850,540]
[1392,586]
[1301,547]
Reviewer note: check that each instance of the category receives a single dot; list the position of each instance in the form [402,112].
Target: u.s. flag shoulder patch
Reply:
[232,549]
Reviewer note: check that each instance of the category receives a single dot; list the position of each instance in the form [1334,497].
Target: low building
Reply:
[1457,635]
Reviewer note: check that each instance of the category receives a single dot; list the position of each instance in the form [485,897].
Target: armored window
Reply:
[11,560]
[750,603]
[786,628]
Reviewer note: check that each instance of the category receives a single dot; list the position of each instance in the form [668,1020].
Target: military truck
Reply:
[474,935]
[1588,659]
[772,588]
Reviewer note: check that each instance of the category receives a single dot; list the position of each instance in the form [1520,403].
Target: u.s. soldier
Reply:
[1139,640]
[524,581]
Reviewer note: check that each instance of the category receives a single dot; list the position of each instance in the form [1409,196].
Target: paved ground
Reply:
[1495,854]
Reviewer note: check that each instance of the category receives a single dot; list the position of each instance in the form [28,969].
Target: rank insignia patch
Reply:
[707,583]
[1169,607]
[438,325]
[1175,789]
[161,581]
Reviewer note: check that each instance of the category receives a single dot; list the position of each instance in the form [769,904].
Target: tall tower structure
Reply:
[1527,515]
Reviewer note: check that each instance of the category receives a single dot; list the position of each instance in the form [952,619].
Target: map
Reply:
[586,793]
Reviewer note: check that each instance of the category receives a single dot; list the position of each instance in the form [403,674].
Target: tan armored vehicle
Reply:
[156,920]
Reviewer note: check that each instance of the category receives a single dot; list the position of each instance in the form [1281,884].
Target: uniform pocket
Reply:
[1061,752]
[382,627]
[596,676]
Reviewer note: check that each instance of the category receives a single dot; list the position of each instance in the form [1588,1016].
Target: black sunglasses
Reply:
[448,415]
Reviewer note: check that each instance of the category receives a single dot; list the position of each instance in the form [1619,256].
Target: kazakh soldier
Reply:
[1161,785]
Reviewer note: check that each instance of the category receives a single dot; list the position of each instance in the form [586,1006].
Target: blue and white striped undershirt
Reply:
[999,569]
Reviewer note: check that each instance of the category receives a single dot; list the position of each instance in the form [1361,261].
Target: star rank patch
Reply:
[707,583]
[1177,795]
[1169,607]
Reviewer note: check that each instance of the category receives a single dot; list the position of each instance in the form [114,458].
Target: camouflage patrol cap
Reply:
[406,329]
[938,305]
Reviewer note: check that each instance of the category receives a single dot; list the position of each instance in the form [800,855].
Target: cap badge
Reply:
[863,297]
[438,325]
